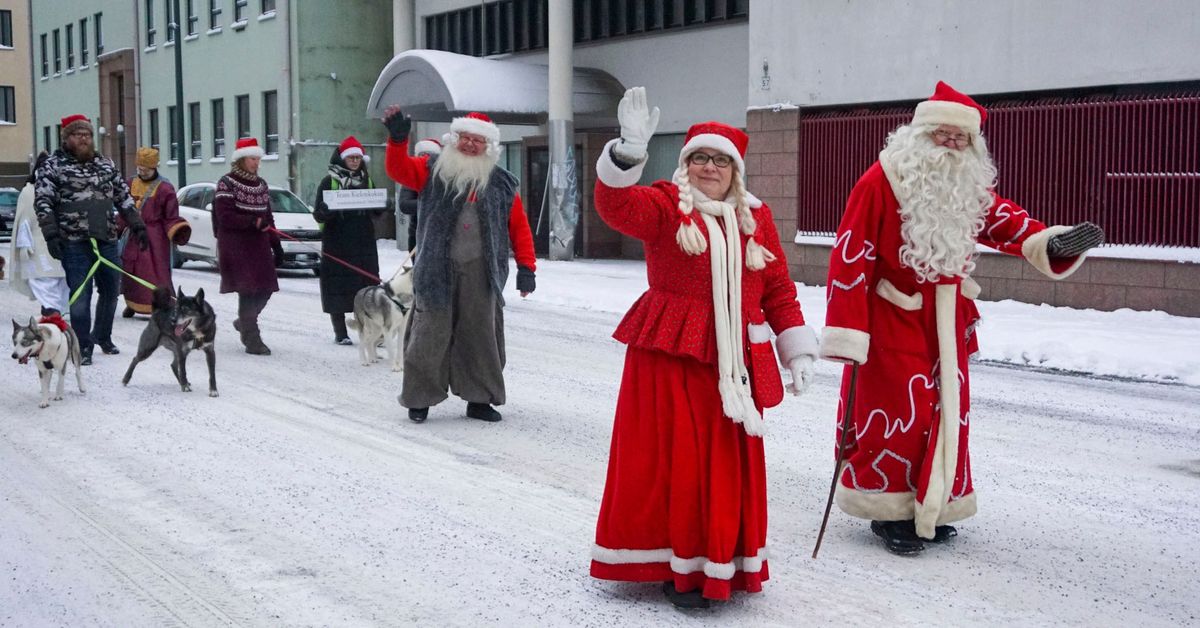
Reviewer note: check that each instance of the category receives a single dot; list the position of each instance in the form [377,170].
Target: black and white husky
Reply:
[381,313]
[51,346]
[186,324]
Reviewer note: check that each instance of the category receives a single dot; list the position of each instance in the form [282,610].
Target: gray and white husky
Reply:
[51,347]
[381,313]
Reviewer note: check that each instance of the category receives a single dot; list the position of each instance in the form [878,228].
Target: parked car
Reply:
[292,216]
[8,211]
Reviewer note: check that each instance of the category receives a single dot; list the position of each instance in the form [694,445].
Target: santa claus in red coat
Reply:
[901,311]
[685,500]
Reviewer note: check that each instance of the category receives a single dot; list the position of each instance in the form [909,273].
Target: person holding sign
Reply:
[348,233]
[468,216]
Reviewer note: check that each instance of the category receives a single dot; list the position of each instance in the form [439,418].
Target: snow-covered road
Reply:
[302,496]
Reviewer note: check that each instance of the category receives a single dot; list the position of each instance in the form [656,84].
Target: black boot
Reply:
[253,342]
[418,415]
[108,347]
[340,335]
[899,537]
[691,599]
[483,412]
[85,355]
[941,534]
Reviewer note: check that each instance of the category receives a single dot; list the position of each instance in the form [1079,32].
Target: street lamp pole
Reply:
[178,122]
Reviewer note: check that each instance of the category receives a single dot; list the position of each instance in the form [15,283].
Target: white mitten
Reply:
[638,123]
[802,374]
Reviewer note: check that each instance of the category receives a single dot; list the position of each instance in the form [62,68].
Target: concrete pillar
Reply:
[563,188]
[404,26]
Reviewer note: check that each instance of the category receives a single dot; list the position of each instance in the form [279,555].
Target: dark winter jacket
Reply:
[245,252]
[63,181]
[408,207]
[346,235]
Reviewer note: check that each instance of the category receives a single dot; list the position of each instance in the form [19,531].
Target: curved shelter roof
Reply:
[436,86]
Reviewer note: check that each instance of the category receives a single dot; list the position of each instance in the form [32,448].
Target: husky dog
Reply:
[381,313]
[51,343]
[188,324]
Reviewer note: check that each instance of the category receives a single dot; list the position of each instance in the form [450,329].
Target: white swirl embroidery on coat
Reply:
[843,241]
[1004,217]
[862,277]
[875,467]
[891,425]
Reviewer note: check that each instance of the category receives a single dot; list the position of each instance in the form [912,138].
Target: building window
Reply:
[268,6]
[8,103]
[99,34]
[194,130]
[6,27]
[192,18]
[218,122]
[271,122]
[70,47]
[57,54]
[46,139]
[172,21]
[83,49]
[214,14]
[154,141]
[45,58]
[243,116]
[173,132]
[150,30]
[239,10]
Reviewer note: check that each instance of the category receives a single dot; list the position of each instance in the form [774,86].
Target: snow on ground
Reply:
[302,496]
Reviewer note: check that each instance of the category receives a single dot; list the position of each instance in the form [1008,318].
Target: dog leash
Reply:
[336,259]
[100,259]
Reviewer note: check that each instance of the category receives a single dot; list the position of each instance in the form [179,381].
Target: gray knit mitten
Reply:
[1080,238]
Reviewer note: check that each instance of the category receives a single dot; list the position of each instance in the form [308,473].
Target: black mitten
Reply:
[139,234]
[398,126]
[54,243]
[277,253]
[526,281]
[1080,238]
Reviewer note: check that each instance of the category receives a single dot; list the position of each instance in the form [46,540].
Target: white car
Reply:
[292,216]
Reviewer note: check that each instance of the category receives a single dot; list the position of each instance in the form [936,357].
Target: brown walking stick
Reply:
[847,425]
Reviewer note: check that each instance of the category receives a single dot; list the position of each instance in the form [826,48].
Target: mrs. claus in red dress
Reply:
[685,499]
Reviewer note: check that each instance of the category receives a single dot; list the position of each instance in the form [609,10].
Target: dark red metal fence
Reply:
[1128,163]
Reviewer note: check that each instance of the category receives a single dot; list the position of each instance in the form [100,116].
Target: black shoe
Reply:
[85,356]
[344,340]
[418,415]
[127,312]
[109,348]
[899,537]
[942,534]
[483,412]
[691,599]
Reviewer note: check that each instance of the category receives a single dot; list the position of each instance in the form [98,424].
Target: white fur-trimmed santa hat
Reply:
[477,123]
[350,147]
[950,106]
[246,147]
[428,145]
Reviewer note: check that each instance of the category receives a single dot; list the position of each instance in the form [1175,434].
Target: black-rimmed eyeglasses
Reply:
[700,159]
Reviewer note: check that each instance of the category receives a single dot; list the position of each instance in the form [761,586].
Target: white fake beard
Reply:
[944,197]
[463,173]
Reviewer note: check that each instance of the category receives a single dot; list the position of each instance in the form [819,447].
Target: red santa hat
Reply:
[950,106]
[74,122]
[477,123]
[350,147]
[246,147]
[428,145]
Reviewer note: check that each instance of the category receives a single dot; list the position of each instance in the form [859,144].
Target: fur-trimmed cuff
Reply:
[180,232]
[842,344]
[795,342]
[1033,249]
[611,174]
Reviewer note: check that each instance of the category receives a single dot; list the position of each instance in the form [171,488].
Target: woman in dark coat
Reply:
[248,250]
[348,235]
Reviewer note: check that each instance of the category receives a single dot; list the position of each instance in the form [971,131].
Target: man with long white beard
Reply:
[901,308]
[468,215]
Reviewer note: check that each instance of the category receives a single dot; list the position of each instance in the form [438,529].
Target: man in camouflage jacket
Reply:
[72,184]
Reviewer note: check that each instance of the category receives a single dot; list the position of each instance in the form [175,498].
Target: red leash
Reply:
[340,261]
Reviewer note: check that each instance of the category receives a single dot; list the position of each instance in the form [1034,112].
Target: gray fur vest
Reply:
[437,215]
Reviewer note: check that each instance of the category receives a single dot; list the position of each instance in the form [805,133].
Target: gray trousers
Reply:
[460,347]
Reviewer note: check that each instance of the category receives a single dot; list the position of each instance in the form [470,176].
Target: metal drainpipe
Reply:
[33,81]
[563,188]
[293,178]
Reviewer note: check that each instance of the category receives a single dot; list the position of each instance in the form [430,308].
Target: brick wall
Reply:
[1100,283]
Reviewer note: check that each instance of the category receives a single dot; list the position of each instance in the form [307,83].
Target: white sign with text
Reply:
[345,200]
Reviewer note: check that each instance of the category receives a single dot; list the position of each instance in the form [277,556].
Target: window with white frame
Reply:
[172,20]
[271,122]
[151,31]
[268,6]
[57,54]
[153,124]
[45,58]
[96,24]
[218,123]
[8,103]
[173,132]
[192,18]
[70,47]
[6,28]
[83,42]
[243,116]
[194,130]
[239,10]
[214,14]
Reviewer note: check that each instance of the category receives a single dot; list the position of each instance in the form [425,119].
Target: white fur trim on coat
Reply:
[1034,250]
[937,112]
[249,151]
[898,506]
[945,451]
[612,175]
[683,566]
[893,295]
[715,142]
[796,342]
[842,344]
[478,127]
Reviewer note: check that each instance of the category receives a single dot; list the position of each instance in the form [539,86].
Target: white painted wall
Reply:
[822,52]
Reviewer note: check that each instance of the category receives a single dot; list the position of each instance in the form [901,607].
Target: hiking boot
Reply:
[85,357]
[899,537]
[483,412]
[689,600]
[418,415]
[108,347]
[254,344]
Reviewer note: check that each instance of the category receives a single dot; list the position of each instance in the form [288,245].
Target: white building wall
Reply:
[821,52]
